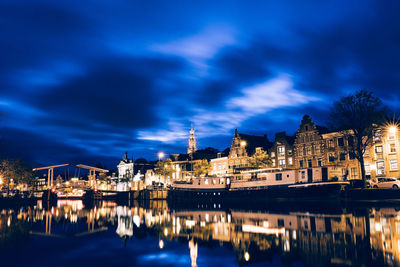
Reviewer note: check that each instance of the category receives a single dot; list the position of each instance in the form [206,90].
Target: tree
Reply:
[201,168]
[358,115]
[15,171]
[259,159]
[164,168]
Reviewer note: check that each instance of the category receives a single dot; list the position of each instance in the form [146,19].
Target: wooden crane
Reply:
[50,173]
[92,173]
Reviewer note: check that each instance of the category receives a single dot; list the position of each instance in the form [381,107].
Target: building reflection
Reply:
[316,239]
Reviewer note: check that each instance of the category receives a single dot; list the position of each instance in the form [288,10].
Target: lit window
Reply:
[215,166]
[378,149]
[282,162]
[354,173]
[290,161]
[308,149]
[281,150]
[272,154]
[380,167]
[393,165]
[223,165]
[392,148]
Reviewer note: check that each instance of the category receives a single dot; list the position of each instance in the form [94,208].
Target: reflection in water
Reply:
[369,237]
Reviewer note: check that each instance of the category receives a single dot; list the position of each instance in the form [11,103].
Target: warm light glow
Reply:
[160,155]
[165,231]
[1,179]
[161,244]
[392,129]
[246,256]
[243,143]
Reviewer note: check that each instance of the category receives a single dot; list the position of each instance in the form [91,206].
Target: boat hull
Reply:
[311,192]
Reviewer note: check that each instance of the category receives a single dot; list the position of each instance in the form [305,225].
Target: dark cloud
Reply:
[81,80]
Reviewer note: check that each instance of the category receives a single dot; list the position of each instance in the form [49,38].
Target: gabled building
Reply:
[244,146]
[309,146]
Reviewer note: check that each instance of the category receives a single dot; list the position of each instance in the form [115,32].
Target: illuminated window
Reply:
[273,162]
[378,136]
[380,167]
[290,161]
[282,162]
[308,149]
[272,154]
[393,165]
[378,149]
[215,166]
[223,165]
[281,150]
[317,149]
[330,143]
[392,148]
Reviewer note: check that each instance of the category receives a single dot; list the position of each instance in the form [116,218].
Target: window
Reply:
[278,177]
[308,149]
[281,223]
[317,149]
[303,175]
[353,173]
[290,161]
[272,154]
[273,162]
[378,136]
[342,156]
[282,162]
[330,143]
[301,164]
[224,165]
[319,162]
[352,155]
[392,148]
[391,135]
[367,168]
[214,166]
[378,149]
[393,165]
[206,181]
[340,141]
[300,152]
[380,167]
[219,166]
[331,158]
[281,150]
[306,127]
[290,152]
[309,163]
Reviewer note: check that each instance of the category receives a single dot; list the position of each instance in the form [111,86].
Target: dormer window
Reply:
[306,127]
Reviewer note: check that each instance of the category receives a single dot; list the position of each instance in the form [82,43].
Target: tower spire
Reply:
[192,141]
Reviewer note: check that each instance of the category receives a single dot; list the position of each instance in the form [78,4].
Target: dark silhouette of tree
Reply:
[358,115]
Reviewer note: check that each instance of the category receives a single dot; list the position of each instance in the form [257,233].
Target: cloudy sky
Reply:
[85,81]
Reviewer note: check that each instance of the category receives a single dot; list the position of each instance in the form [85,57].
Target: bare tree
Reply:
[358,115]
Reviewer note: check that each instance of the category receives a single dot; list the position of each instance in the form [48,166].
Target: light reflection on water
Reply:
[154,234]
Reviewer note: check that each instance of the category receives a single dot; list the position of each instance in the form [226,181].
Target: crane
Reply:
[50,173]
[92,173]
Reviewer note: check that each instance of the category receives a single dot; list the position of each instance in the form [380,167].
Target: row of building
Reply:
[311,146]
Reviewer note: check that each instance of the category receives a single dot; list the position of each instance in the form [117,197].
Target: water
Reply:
[154,234]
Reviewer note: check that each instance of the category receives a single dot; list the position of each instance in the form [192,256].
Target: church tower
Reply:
[192,142]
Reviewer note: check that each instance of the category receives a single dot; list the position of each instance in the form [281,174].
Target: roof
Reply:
[254,141]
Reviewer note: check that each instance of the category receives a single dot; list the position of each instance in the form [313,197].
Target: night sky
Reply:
[85,81]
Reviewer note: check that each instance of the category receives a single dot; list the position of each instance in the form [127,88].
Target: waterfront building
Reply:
[382,155]
[219,166]
[282,151]
[315,146]
[244,146]
[125,173]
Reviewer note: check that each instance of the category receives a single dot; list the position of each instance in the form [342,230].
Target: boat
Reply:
[309,184]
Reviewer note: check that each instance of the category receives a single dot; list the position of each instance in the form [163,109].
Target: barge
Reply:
[310,184]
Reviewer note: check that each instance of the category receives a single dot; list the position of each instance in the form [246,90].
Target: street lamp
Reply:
[243,143]
[392,129]
[160,155]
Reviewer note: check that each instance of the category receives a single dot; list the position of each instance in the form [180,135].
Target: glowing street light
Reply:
[243,143]
[392,129]
[160,155]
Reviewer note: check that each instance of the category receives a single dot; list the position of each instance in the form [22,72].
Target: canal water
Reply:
[155,234]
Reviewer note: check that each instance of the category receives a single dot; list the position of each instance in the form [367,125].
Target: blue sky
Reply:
[87,81]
